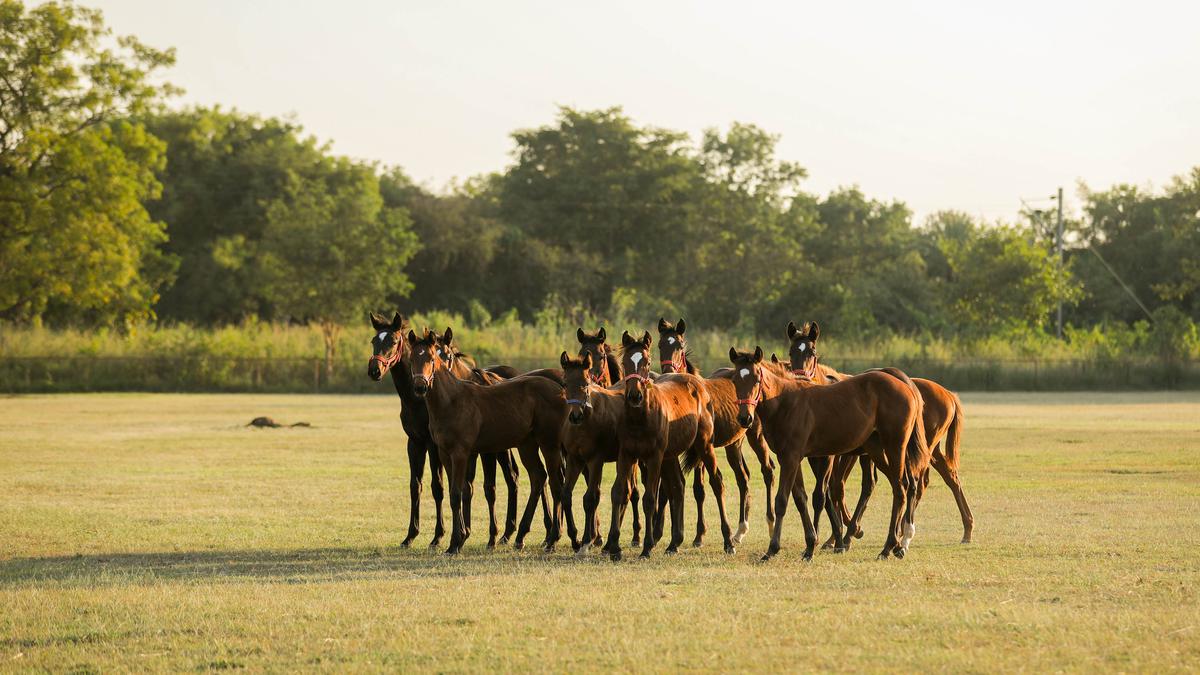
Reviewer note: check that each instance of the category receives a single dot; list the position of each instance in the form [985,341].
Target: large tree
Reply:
[224,168]
[75,240]
[331,250]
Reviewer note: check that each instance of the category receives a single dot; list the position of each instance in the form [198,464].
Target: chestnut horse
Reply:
[465,419]
[801,419]
[594,414]
[663,419]
[605,371]
[943,421]
[463,367]
[674,357]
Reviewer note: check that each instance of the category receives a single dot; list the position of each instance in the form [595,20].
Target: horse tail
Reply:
[954,434]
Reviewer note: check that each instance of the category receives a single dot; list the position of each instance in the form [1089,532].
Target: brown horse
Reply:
[663,419]
[674,357]
[605,371]
[801,419]
[463,367]
[942,419]
[594,415]
[464,419]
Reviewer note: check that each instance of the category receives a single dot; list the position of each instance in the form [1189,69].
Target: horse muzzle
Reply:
[420,386]
[745,419]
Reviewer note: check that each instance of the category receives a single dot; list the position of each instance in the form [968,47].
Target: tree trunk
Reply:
[329,331]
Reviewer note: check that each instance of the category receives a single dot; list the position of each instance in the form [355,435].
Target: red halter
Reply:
[810,373]
[388,362]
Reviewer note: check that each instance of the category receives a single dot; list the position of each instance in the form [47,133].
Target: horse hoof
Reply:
[826,546]
[899,553]
[839,549]
[882,556]
[766,558]
[644,556]
[491,546]
[730,548]
[520,545]
[636,541]
[406,543]
[965,540]
[452,551]
[615,555]
[807,557]
[671,550]
[436,543]
[504,540]
[858,534]
[697,542]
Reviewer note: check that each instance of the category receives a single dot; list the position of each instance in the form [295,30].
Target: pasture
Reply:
[155,532]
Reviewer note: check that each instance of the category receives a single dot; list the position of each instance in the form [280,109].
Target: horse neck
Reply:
[444,389]
[781,391]
[402,378]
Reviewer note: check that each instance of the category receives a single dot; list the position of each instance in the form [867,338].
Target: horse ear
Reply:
[579,335]
[563,359]
[601,334]
[758,354]
[646,339]
[680,327]
[398,322]
[448,336]
[792,330]
[774,359]
[586,359]
[412,337]
[626,338]
[378,322]
[663,325]
[813,331]
[732,355]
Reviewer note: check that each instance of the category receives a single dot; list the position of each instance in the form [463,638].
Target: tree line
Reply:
[117,210]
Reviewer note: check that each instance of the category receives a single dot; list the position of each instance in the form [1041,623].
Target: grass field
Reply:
[155,532]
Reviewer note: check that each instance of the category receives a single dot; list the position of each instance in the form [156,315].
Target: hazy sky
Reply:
[941,104]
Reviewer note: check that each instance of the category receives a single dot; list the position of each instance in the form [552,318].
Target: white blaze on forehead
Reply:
[803,346]
[382,335]
[636,357]
[744,372]
[671,340]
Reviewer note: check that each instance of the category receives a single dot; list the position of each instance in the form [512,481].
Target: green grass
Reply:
[155,532]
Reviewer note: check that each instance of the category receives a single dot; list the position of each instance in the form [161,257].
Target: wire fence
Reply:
[308,375]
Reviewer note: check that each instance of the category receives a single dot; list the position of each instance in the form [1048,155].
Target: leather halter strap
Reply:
[758,396]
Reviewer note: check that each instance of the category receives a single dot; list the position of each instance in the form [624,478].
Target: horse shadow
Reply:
[297,566]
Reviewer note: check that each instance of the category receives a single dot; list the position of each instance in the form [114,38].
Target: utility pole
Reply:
[1058,245]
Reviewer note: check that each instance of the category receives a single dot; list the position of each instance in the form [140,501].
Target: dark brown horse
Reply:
[663,419]
[525,412]
[801,419]
[390,350]
[594,415]
[605,371]
[463,367]
[675,357]
[942,419]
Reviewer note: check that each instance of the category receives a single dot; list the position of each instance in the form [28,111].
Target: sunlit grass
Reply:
[157,532]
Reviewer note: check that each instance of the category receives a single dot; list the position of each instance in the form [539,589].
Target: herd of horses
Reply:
[607,405]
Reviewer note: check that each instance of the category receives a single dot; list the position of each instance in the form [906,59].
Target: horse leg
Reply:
[437,489]
[537,484]
[758,444]
[671,490]
[508,467]
[651,479]
[574,468]
[489,495]
[853,529]
[416,477]
[634,501]
[468,494]
[555,469]
[741,474]
[458,461]
[698,494]
[821,467]
[789,468]
[717,481]
[835,503]
[810,532]
[591,503]
[890,460]
[660,516]
[620,495]
[949,474]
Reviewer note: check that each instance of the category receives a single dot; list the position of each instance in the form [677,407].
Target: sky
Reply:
[943,105]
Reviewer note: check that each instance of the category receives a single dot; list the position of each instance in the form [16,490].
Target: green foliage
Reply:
[224,169]
[76,243]
[331,250]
